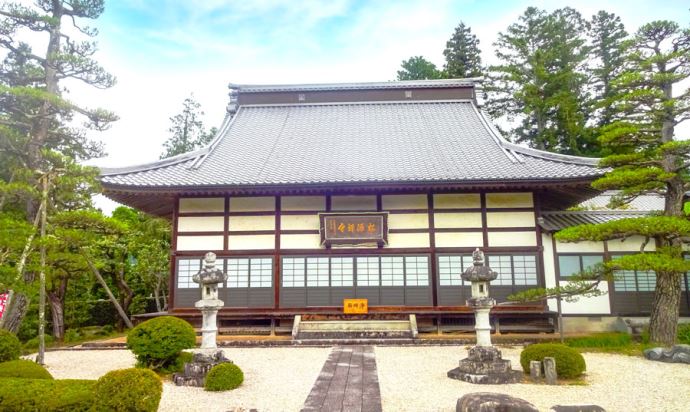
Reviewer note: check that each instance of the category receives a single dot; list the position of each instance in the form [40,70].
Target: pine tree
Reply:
[463,57]
[418,68]
[648,158]
[607,34]
[187,129]
[541,81]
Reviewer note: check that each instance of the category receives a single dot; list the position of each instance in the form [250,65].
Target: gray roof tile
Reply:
[416,141]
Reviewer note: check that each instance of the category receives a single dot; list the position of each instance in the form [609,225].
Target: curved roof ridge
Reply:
[392,84]
[495,135]
[169,161]
[581,160]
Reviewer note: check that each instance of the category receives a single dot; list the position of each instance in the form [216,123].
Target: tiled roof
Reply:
[644,202]
[358,142]
[415,84]
[554,221]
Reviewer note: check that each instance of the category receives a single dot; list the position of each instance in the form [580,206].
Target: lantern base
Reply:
[484,365]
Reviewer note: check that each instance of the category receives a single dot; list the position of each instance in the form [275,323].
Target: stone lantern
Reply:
[484,363]
[208,279]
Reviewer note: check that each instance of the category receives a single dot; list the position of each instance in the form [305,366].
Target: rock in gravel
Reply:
[677,354]
[492,402]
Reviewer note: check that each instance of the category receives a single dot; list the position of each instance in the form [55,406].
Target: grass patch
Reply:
[73,337]
[608,342]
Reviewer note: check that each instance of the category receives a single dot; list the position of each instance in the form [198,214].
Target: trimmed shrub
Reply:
[224,377]
[128,390]
[178,365]
[65,395]
[33,342]
[601,340]
[158,342]
[10,347]
[569,362]
[21,368]
[683,334]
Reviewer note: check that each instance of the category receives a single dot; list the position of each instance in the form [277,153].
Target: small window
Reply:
[342,271]
[502,265]
[317,272]
[238,273]
[368,271]
[186,268]
[450,269]
[293,271]
[634,280]
[569,265]
[392,271]
[250,272]
[416,271]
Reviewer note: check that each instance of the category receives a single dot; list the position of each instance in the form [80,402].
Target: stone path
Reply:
[348,382]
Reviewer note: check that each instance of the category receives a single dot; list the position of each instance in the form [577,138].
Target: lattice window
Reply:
[342,271]
[293,271]
[525,270]
[451,267]
[392,271]
[569,265]
[633,280]
[625,281]
[368,271]
[502,265]
[186,268]
[261,273]
[416,270]
[317,272]
[238,273]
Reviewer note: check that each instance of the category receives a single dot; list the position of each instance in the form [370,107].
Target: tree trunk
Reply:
[15,311]
[57,310]
[663,322]
[126,293]
[114,301]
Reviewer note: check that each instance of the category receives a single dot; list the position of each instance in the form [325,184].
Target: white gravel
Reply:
[411,379]
[414,379]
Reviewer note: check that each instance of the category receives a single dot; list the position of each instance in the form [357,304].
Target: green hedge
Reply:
[569,362]
[158,342]
[10,347]
[21,368]
[68,395]
[224,377]
[129,390]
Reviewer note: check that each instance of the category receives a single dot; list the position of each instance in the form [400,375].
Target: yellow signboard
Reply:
[355,306]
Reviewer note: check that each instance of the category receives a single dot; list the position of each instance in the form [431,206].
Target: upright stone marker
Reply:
[484,363]
[550,371]
[535,370]
[208,278]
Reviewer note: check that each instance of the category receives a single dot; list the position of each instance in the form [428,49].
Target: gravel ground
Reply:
[411,379]
[414,379]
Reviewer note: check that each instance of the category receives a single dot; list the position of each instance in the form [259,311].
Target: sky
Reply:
[161,51]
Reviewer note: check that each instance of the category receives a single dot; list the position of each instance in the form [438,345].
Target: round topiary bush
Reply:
[21,368]
[128,390]
[158,342]
[224,377]
[569,362]
[10,347]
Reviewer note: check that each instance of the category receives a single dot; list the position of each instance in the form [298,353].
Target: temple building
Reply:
[312,194]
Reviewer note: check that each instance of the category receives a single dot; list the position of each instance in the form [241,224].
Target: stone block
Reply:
[535,370]
[550,371]
[492,402]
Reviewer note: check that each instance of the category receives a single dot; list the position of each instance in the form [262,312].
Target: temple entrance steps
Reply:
[393,330]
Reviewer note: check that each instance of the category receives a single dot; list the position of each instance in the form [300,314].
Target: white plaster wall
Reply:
[463,239]
[457,201]
[202,204]
[457,220]
[201,224]
[241,223]
[503,200]
[251,242]
[353,203]
[631,244]
[598,305]
[498,239]
[549,267]
[252,204]
[396,202]
[303,203]
[402,240]
[510,219]
[580,247]
[300,241]
[299,222]
[204,243]
[408,221]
